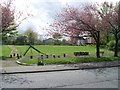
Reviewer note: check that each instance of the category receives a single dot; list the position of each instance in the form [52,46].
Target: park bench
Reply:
[81,53]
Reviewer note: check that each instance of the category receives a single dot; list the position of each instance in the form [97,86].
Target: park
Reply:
[57,54]
[48,44]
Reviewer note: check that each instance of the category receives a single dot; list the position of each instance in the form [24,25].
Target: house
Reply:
[85,38]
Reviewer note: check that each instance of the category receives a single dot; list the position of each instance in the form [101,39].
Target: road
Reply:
[92,78]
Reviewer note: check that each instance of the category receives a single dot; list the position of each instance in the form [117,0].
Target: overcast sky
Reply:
[44,11]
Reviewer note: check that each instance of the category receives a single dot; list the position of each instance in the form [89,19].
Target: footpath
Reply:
[14,50]
[62,67]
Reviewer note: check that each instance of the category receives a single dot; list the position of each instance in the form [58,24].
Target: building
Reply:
[85,38]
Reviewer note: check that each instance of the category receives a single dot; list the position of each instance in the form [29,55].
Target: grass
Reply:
[71,60]
[49,49]
[5,51]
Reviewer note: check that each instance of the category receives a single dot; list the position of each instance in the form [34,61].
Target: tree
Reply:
[111,16]
[31,36]
[21,40]
[57,36]
[10,19]
[49,41]
[64,42]
[75,21]
[7,21]
[7,15]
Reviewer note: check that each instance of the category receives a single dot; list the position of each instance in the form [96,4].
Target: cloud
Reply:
[45,11]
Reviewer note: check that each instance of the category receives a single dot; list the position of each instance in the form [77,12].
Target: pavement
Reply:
[62,67]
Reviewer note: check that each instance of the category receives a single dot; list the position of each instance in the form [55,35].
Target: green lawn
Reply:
[49,49]
[5,51]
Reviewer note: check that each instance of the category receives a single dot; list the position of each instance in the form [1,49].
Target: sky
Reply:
[44,12]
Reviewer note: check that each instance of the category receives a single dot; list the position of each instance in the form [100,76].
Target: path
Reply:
[62,67]
[14,50]
[11,62]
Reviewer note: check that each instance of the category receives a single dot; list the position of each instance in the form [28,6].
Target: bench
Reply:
[81,53]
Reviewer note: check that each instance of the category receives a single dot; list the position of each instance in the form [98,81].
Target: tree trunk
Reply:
[107,37]
[98,45]
[117,34]
[116,47]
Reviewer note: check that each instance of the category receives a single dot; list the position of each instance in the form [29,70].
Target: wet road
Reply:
[92,78]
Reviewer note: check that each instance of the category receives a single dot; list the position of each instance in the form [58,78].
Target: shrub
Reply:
[111,45]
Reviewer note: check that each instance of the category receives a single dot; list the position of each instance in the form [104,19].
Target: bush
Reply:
[111,45]
[57,42]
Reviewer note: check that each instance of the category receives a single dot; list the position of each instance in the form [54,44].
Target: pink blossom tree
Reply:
[10,19]
[75,21]
[9,16]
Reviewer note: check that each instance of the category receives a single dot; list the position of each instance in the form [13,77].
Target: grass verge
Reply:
[71,60]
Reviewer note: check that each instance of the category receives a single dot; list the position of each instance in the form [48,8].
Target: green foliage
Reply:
[93,59]
[52,41]
[103,42]
[38,42]
[31,36]
[57,42]
[49,41]
[8,38]
[56,37]
[111,45]
[8,27]
[21,40]
[64,42]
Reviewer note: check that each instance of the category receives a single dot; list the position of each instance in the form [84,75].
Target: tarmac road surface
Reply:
[89,78]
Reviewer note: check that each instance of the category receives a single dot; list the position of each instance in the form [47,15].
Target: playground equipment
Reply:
[40,62]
